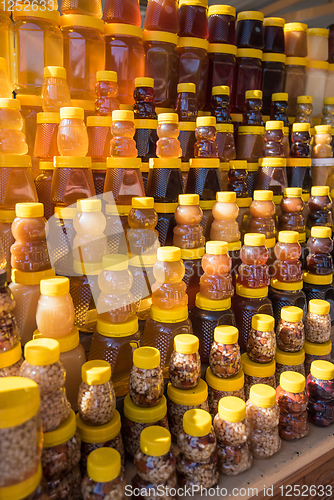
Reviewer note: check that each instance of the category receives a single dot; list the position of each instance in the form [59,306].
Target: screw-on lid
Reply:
[216,247]
[48,117]
[188,397]
[292,382]
[155,441]
[81,20]
[253,94]
[261,195]
[226,196]
[254,240]
[274,125]
[318,32]
[263,322]
[318,349]
[63,433]
[106,76]
[42,352]
[319,191]
[225,384]
[123,29]
[290,358]
[122,115]
[19,401]
[256,369]
[293,192]
[144,415]
[27,210]
[104,465]
[9,358]
[169,254]
[186,343]
[288,237]
[197,43]
[292,314]
[144,81]
[274,21]
[301,127]
[100,433]
[262,395]
[323,370]
[321,232]
[232,409]
[99,121]
[318,65]
[96,372]
[168,118]
[158,36]
[54,72]
[329,100]
[322,129]
[238,164]
[71,162]
[197,422]
[226,334]
[251,15]
[279,96]
[295,27]
[10,103]
[88,205]
[23,489]
[206,121]
[223,10]
[222,48]
[67,343]
[221,90]
[304,99]
[143,202]
[115,262]
[296,61]
[146,358]
[317,306]
[54,287]
[188,199]
[72,113]
[186,87]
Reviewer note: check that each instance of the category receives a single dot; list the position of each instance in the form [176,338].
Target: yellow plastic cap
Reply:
[226,334]
[206,121]
[273,162]
[143,202]
[197,423]
[158,36]
[188,199]
[321,232]
[253,53]
[238,164]
[42,352]
[262,395]
[155,441]
[254,240]
[115,262]
[292,382]
[261,195]
[67,343]
[98,121]
[19,401]
[223,10]
[318,349]
[144,415]
[322,129]
[251,15]
[198,43]
[168,118]
[104,465]
[100,433]
[317,306]
[295,27]
[27,210]
[188,397]
[318,65]
[169,254]
[274,21]
[296,61]
[225,384]
[10,103]
[253,94]
[274,125]
[54,72]
[125,329]
[106,76]
[96,372]
[186,343]
[292,314]
[221,48]
[318,32]
[9,358]
[186,87]
[24,489]
[71,162]
[216,247]
[263,322]
[48,118]
[329,100]
[123,29]
[290,358]
[288,237]
[226,196]
[81,20]
[232,409]
[146,358]
[293,192]
[256,369]
[122,115]
[89,205]
[319,191]
[55,286]
[144,81]
[221,90]
[304,99]
[301,127]
[63,433]
[279,96]
[72,113]
[323,370]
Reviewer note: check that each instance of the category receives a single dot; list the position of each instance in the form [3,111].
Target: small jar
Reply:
[261,343]
[155,461]
[291,399]
[314,351]
[42,365]
[20,430]
[105,476]
[317,44]
[182,400]
[146,384]
[185,362]
[256,373]
[249,32]
[96,398]
[318,321]
[11,361]
[136,419]
[263,419]
[231,428]
[295,35]
[219,388]
[320,391]
[225,359]
[289,362]
[61,449]
[197,440]
[100,436]
[290,329]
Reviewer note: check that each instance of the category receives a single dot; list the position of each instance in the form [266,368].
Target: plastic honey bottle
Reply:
[273,139]
[292,218]
[237,177]
[322,142]
[5,84]
[142,236]
[145,118]
[122,143]
[72,132]
[206,145]
[253,272]
[162,15]
[262,212]
[301,139]
[252,109]
[12,139]
[320,209]
[55,90]
[106,93]
[187,110]
[287,267]
[220,104]
[304,109]
[168,145]
[225,212]
[319,260]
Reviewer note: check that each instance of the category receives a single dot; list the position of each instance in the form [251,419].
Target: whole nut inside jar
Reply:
[320,391]
[151,490]
[96,398]
[193,473]
[35,488]
[261,343]
[155,461]
[289,362]
[256,373]
[290,329]
[146,384]
[219,388]
[11,361]
[105,476]
[318,321]
[314,352]
[197,440]
[225,360]
[185,362]
[182,400]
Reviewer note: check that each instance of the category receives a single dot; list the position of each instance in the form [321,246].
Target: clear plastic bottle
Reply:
[168,145]
[106,93]
[319,386]
[301,139]
[220,104]
[249,32]
[193,18]
[273,28]
[290,329]
[253,272]
[123,129]
[72,133]
[328,112]
[320,208]
[262,212]
[225,359]
[12,139]
[295,35]
[55,90]
[169,291]
[145,118]
[187,109]
[142,236]
[319,260]
[188,234]
[252,108]
[146,384]
[5,84]
[206,146]
[89,8]
[162,15]
[261,342]
[216,282]
[225,212]
[273,139]
[16,180]
[318,321]
[322,142]
[105,475]
[237,177]
[287,267]
[185,362]
[279,107]
[292,218]
[221,20]
[304,109]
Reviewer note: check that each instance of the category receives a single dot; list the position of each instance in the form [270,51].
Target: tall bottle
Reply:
[320,209]
[55,90]
[106,93]
[187,110]
[188,235]
[279,111]
[252,110]
[145,118]
[272,168]
[304,109]
[299,163]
